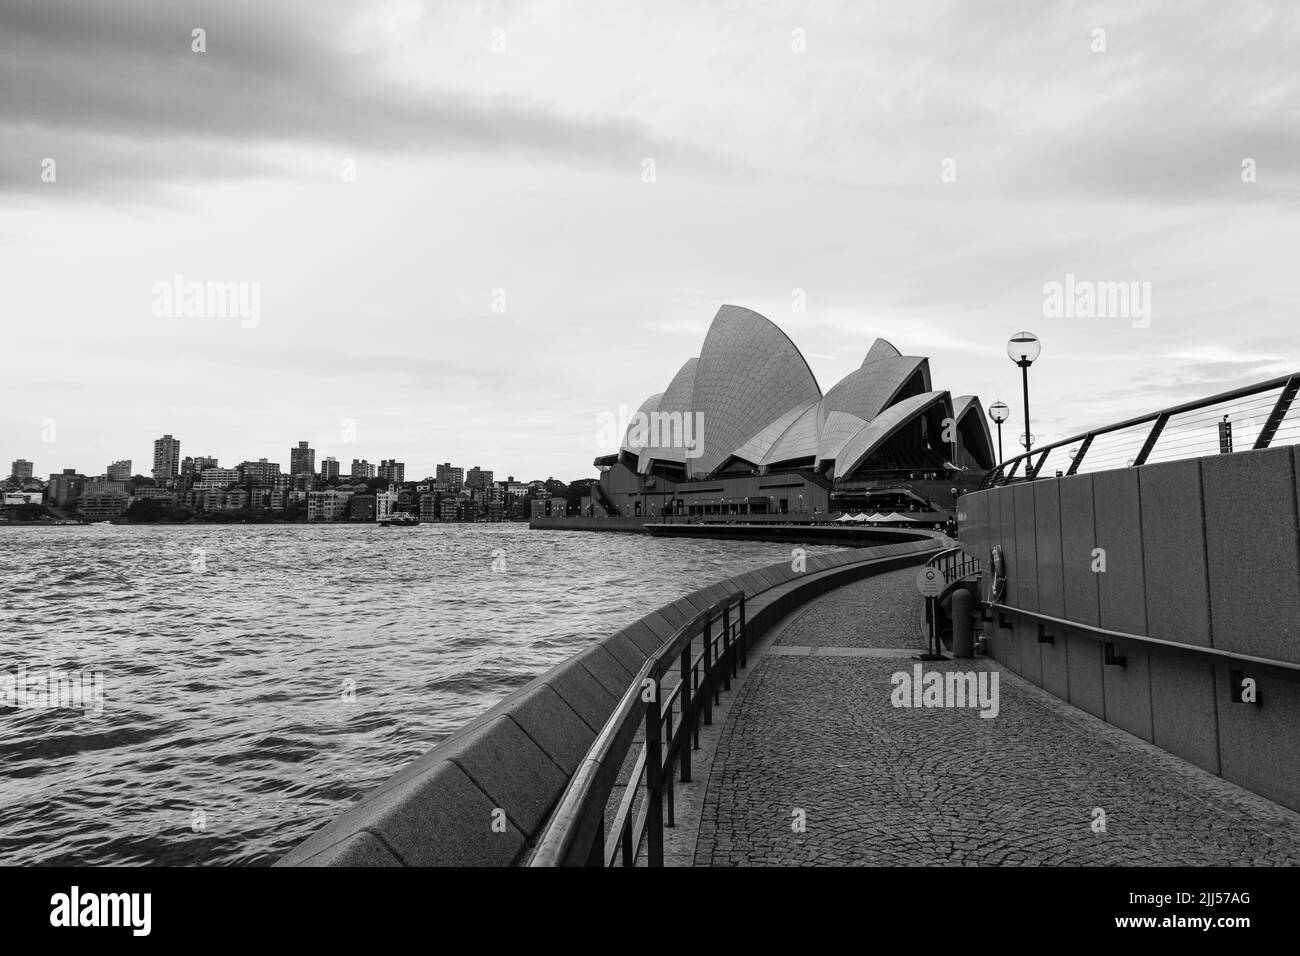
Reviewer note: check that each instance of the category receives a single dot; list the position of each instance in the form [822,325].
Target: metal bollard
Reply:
[963,623]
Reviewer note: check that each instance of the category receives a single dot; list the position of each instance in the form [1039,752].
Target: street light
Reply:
[1023,349]
[999,412]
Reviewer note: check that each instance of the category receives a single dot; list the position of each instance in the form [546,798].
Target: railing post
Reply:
[1276,417]
[1152,437]
[688,714]
[726,648]
[706,679]
[668,777]
[1078,455]
[743,636]
[654,772]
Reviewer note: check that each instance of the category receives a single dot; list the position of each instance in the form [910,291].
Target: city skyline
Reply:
[459,241]
[38,471]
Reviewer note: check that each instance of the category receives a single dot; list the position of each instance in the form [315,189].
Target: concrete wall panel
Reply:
[1047,525]
[1087,690]
[1078,539]
[1173,546]
[1254,561]
[1122,586]
[1184,718]
[1025,582]
[1128,690]
[1055,659]
[1031,663]
[1006,516]
[1257,744]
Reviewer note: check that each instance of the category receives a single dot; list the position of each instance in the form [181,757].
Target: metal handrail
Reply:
[575,833]
[1289,670]
[1033,460]
[956,566]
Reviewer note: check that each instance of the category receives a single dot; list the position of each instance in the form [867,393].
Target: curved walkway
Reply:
[814,766]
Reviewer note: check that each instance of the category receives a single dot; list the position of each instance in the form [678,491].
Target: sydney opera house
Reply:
[744,429]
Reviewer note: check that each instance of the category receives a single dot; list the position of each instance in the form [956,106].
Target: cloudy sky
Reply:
[475,227]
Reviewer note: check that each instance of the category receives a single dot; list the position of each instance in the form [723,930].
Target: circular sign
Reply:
[930,582]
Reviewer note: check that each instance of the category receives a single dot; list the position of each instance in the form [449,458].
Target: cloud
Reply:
[116,95]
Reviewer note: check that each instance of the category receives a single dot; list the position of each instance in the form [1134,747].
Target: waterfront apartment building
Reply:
[12,498]
[260,472]
[102,486]
[393,470]
[362,470]
[451,479]
[119,470]
[99,507]
[166,458]
[429,507]
[217,479]
[236,500]
[21,469]
[453,507]
[549,506]
[385,504]
[302,460]
[329,468]
[362,508]
[148,492]
[328,505]
[478,478]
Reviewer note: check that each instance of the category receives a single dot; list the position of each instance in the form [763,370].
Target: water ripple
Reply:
[249,701]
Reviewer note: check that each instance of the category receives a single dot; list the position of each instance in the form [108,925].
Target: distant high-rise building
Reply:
[191,468]
[362,469]
[393,470]
[166,458]
[329,468]
[452,479]
[478,478]
[302,460]
[66,488]
[260,472]
[120,470]
[22,469]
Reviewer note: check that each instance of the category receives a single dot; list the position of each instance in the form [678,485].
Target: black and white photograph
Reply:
[533,434]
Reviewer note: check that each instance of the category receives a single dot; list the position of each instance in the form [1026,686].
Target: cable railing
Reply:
[575,834]
[1257,416]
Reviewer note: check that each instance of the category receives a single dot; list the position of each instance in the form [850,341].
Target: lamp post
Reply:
[999,412]
[1023,349]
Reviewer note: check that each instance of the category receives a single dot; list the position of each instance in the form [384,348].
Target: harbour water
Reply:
[256,681]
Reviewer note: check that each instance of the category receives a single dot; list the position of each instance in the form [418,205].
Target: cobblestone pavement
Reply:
[883,611]
[879,785]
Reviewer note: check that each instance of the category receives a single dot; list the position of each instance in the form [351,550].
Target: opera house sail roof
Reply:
[750,404]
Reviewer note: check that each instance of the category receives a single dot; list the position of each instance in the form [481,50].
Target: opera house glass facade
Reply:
[744,429]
